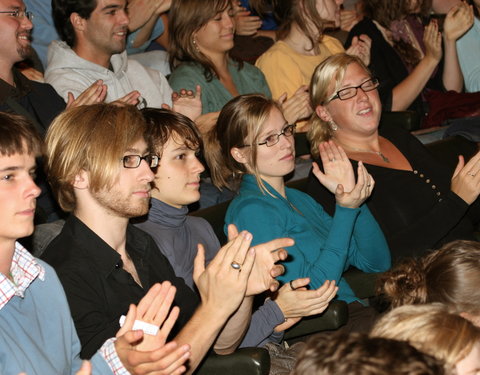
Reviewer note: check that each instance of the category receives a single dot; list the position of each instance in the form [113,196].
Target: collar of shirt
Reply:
[24,270]
[21,88]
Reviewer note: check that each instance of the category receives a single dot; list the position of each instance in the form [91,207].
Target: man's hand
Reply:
[188,103]
[223,283]
[95,93]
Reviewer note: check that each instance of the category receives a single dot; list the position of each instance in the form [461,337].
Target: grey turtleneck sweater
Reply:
[177,236]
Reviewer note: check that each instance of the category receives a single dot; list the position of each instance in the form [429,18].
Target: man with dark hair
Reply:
[37,335]
[94,36]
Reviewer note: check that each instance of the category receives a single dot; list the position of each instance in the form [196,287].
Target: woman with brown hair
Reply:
[201,36]
[405,56]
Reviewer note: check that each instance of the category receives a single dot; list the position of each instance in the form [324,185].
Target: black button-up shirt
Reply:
[99,290]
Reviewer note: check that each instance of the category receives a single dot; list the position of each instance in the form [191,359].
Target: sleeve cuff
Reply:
[109,354]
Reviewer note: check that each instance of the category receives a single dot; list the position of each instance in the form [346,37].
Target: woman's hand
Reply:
[466,179]
[338,168]
[300,302]
[296,107]
[245,23]
[457,21]
[360,47]
[432,39]
[362,190]
[188,103]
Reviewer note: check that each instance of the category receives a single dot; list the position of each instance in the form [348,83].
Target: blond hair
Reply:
[330,71]
[92,138]
[430,328]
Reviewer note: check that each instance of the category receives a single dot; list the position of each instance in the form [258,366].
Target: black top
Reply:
[387,65]
[37,101]
[99,290]
[416,209]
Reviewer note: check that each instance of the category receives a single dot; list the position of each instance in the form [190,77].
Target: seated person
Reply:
[449,276]
[302,44]
[468,49]
[405,56]
[201,36]
[252,147]
[434,330]
[100,169]
[417,202]
[37,335]
[176,141]
[358,354]
[146,26]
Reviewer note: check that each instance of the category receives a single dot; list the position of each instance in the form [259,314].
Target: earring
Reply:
[333,126]
[195,44]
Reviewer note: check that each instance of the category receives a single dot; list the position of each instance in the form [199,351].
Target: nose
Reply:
[123,18]
[32,189]
[198,166]
[227,21]
[285,141]
[145,172]
[26,23]
[361,95]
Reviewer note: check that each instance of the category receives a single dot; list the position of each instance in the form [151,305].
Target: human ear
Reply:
[77,21]
[238,155]
[81,180]
[323,113]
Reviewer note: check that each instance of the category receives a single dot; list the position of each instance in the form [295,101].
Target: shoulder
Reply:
[276,52]
[333,44]
[187,74]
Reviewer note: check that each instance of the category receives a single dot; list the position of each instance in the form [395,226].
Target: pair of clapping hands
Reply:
[338,176]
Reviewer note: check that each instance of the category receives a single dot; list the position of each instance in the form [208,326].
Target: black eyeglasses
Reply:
[273,139]
[20,14]
[133,161]
[350,92]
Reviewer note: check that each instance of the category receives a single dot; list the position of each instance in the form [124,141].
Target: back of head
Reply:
[162,124]
[358,354]
[386,11]
[185,18]
[62,9]
[327,78]
[239,124]
[450,275]
[430,328]
[18,136]
[92,138]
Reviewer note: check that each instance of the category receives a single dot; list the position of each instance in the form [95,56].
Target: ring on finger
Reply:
[291,285]
[471,174]
[236,266]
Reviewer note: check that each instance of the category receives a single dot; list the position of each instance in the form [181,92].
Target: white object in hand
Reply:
[149,329]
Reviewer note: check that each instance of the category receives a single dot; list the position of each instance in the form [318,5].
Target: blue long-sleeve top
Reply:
[324,246]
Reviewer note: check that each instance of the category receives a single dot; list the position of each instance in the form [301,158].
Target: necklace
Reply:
[379,153]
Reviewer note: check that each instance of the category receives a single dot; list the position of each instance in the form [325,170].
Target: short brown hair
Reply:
[358,354]
[18,136]
[162,124]
[91,138]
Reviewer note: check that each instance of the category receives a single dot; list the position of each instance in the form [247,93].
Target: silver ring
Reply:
[236,266]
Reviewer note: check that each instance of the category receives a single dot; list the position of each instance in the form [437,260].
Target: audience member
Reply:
[405,56]
[449,276]
[176,141]
[301,46]
[37,335]
[94,39]
[418,203]
[432,329]
[146,26]
[201,35]
[468,47]
[252,147]
[104,263]
[358,354]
